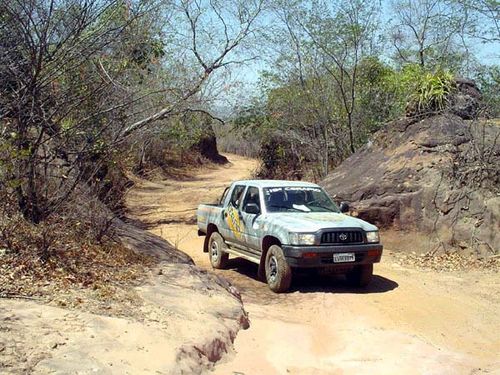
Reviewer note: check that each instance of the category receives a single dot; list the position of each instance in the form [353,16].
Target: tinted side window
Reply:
[236,195]
[252,196]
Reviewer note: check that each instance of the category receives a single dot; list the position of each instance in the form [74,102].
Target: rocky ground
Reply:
[183,321]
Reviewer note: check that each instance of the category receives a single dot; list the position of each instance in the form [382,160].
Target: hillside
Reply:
[439,176]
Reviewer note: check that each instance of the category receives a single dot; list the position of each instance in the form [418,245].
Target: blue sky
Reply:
[247,75]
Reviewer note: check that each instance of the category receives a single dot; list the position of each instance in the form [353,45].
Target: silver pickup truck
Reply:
[284,225]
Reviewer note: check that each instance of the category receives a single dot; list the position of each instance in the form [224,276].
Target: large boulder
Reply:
[466,100]
[439,176]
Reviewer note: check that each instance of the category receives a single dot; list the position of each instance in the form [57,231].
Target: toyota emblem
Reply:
[343,236]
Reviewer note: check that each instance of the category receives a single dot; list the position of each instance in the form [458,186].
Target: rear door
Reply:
[221,219]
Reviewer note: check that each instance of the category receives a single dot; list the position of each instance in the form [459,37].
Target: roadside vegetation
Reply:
[339,71]
[91,91]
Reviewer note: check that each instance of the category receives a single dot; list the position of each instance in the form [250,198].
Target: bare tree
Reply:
[328,41]
[483,18]
[79,78]
[427,32]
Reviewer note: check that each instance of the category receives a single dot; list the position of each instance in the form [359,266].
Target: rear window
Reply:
[237,195]
[252,196]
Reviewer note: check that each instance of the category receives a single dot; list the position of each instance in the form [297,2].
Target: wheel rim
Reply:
[214,251]
[273,268]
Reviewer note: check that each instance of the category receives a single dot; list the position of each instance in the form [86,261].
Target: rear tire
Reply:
[278,271]
[216,245]
[360,276]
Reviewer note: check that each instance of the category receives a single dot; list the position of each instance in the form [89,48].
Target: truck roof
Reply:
[274,183]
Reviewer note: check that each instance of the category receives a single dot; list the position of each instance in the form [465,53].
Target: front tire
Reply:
[360,276]
[278,271]
[218,257]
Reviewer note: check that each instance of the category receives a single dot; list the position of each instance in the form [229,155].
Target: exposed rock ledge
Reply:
[439,176]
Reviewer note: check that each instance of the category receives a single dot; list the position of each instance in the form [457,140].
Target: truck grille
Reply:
[342,237]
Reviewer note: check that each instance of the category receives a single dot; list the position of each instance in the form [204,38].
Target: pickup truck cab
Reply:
[285,225]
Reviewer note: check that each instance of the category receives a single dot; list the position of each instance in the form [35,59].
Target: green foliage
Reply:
[184,131]
[253,121]
[488,80]
[379,98]
[428,92]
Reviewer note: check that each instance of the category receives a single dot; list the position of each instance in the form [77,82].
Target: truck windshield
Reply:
[298,199]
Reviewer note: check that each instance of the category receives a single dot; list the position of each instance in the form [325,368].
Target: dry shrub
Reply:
[280,159]
[236,144]
[73,250]
[112,190]
[240,141]
[158,159]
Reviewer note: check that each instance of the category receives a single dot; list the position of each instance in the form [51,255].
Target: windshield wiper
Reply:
[285,207]
[328,209]
[323,208]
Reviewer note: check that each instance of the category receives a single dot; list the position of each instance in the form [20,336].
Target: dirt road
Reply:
[409,321]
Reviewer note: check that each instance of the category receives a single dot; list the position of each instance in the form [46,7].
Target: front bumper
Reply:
[322,256]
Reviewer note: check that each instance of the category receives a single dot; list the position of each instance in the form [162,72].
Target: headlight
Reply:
[372,236]
[302,238]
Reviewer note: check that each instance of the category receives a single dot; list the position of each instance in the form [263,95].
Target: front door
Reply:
[251,219]
[232,216]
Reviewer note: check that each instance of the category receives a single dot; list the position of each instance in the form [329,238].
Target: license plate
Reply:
[343,257]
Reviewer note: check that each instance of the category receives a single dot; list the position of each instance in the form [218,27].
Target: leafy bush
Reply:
[429,92]
[279,161]
[488,80]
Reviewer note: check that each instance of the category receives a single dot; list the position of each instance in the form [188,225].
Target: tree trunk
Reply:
[351,135]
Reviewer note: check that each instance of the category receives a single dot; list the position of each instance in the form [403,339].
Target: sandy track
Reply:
[408,321]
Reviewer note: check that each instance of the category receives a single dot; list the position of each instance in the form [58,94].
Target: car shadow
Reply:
[312,282]
[338,284]
[243,266]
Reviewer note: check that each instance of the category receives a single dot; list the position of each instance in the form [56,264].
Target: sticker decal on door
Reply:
[234,222]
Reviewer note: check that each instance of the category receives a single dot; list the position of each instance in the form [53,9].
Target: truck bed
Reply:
[207,213]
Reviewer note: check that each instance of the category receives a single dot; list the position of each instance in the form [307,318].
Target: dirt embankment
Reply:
[180,319]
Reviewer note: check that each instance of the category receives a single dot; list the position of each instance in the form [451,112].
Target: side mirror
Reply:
[344,207]
[252,208]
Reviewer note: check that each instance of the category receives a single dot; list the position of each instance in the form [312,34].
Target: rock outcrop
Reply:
[207,147]
[463,100]
[466,101]
[439,176]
